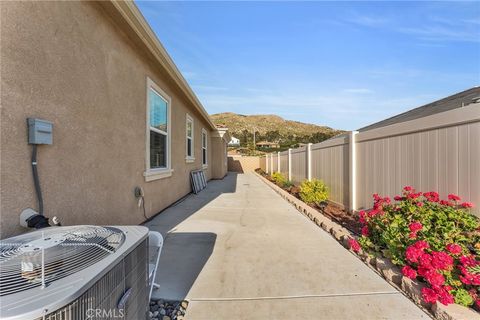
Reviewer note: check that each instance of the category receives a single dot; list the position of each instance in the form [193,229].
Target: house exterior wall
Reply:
[74,64]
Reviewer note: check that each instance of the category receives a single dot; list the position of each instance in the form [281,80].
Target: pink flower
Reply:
[419,204]
[412,235]
[413,253]
[432,196]
[408,188]
[446,203]
[468,261]
[425,260]
[429,295]
[467,205]
[409,272]
[442,260]
[414,195]
[454,248]
[453,197]
[361,215]
[354,245]
[421,244]
[444,295]
[398,198]
[434,278]
[415,226]
[365,231]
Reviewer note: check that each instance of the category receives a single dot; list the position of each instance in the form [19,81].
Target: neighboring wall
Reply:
[243,163]
[439,153]
[79,65]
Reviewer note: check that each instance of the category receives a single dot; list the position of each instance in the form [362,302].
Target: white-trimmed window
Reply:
[204,148]
[158,164]
[189,134]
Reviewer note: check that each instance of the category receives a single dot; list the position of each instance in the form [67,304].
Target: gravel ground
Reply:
[167,310]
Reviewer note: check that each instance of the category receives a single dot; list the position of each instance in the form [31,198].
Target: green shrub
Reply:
[313,192]
[279,179]
[435,240]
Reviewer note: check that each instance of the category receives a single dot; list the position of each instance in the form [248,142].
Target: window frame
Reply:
[158,173]
[205,147]
[189,158]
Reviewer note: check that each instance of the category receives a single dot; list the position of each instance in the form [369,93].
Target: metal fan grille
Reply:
[41,257]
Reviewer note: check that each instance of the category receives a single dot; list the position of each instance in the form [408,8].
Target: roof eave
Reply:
[137,22]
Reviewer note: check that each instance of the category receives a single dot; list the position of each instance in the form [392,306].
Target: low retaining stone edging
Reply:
[383,266]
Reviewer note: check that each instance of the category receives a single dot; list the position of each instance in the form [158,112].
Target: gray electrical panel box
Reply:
[40,131]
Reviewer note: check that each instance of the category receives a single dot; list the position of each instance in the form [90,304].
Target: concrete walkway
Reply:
[239,251]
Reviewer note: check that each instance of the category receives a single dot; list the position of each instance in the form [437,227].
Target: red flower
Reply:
[444,295]
[434,278]
[409,272]
[467,205]
[414,195]
[415,226]
[419,204]
[421,244]
[398,198]
[468,261]
[453,197]
[446,203]
[365,231]
[408,188]
[412,235]
[442,260]
[425,260]
[454,248]
[429,295]
[413,253]
[362,214]
[354,245]
[432,196]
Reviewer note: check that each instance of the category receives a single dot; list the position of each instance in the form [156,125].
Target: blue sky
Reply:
[341,64]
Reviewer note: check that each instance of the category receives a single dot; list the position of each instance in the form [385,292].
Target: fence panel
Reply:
[263,163]
[274,162]
[299,165]
[330,163]
[284,163]
[445,159]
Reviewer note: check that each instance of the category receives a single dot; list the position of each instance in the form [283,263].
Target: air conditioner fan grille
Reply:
[41,257]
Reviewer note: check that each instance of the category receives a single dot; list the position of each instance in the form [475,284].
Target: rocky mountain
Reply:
[272,128]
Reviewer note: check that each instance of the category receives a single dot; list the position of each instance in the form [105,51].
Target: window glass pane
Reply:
[204,140]
[189,147]
[158,153]
[204,156]
[189,128]
[158,111]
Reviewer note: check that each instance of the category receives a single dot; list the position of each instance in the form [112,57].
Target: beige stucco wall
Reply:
[243,163]
[71,63]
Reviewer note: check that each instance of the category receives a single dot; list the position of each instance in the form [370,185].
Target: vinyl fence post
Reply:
[278,161]
[271,163]
[289,164]
[352,170]
[266,163]
[309,162]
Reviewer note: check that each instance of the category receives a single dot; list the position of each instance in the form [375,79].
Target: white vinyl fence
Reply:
[440,152]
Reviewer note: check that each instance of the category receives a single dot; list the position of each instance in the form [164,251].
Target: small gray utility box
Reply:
[40,131]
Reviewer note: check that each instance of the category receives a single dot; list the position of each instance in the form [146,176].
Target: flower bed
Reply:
[435,241]
[376,260]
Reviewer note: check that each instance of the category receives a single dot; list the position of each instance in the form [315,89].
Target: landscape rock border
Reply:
[383,266]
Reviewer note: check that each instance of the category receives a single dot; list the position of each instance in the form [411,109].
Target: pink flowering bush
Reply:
[433,240]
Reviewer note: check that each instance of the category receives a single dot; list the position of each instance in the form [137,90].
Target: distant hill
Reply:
[272,128]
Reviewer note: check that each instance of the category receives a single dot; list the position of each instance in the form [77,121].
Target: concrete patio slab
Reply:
[239,251]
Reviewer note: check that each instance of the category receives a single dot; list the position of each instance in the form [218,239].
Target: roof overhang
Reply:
[224,134]
[132,15]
